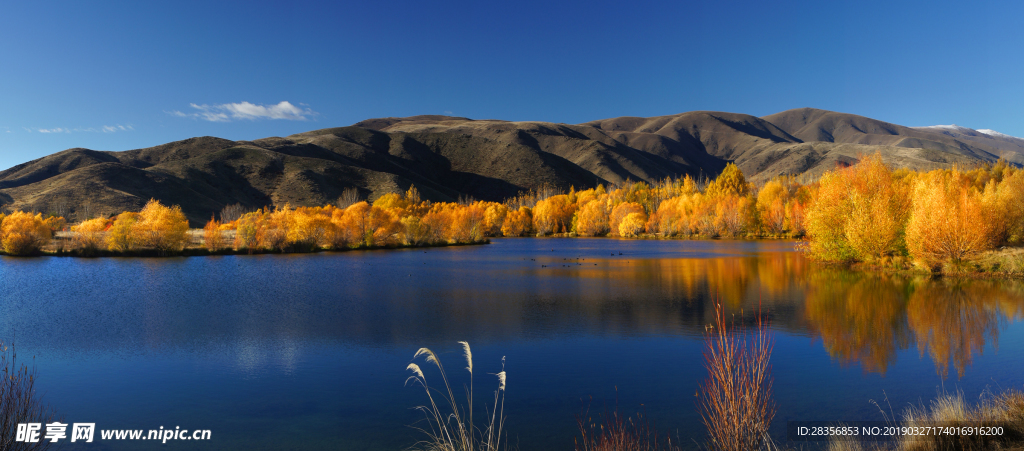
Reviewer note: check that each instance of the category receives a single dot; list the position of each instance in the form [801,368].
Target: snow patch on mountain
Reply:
[996,134]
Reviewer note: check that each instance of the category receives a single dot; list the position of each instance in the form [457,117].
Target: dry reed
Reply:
[736,398]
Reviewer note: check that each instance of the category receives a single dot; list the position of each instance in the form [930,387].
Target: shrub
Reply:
[947,223]
[632,225]
[120,237]
[213,238]
[160,227]
[88,234]
[23,233]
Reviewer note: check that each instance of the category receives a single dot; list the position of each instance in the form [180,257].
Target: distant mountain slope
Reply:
[449,157]
[809,124]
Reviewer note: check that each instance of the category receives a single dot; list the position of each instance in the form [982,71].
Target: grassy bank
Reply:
[62,246]
[1005,263]
[1004,410]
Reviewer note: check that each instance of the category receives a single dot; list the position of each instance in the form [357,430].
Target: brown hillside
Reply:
[450,157]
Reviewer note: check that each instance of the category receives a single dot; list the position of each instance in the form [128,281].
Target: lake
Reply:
[309,351]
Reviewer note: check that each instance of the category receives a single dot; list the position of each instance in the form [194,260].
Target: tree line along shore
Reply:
[942,220]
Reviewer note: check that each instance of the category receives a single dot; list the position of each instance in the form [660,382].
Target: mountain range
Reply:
[448,158]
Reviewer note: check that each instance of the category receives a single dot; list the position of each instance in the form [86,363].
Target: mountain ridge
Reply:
[448,158]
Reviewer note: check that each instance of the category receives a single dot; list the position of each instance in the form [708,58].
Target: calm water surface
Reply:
[309,351]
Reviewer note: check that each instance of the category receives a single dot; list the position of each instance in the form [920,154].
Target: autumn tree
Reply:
[87,236]
[518,222]
[620,212]
[633,224]
[23,233]
[729,182]
[859,212]
[161,228]
[494,218]
[592,218]
[213,238]
[553,215]
[467,224]
[247,230]
[947,223]
[310,227]
[121,236]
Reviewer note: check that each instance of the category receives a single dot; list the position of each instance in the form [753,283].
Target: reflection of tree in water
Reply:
[952,319]
[860,317]
[868,318]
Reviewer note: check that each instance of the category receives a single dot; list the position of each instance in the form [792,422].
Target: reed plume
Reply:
[450,426]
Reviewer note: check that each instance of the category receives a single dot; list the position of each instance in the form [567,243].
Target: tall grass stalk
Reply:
[736,402]
[450,426]
[19,402]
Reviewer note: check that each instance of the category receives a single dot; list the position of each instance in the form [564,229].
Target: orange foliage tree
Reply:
[860,212]
[620,212]
[518,222]
[553,215]
[592,218]
[23,233]
[213,237]
[633,224]
[88,235]
[948,222]
[160,227]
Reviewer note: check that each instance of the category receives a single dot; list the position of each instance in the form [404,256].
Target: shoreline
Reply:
[201,252]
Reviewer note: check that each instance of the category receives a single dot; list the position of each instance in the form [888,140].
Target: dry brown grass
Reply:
[1006,409]
[951,410]
[736,399]
[612,432]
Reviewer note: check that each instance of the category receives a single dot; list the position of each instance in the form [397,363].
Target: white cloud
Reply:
[226,112]
[117,128]
[104,129]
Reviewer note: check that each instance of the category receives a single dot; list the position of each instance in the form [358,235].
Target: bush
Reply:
[947,223]
[23,233]
[88,235]
[161,228]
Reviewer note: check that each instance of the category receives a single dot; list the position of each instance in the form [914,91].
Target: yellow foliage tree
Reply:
[23,233]
[948,222]
[247,230]
[553,215]
[592,218]
[518,222]
[633,224]
[88,235]
[494,218]
[160,227]
[860,212]
[213,237]
[729,182]
[620,212]
[467,224]
[121,236]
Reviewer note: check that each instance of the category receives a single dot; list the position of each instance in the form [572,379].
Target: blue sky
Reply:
[125,75]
